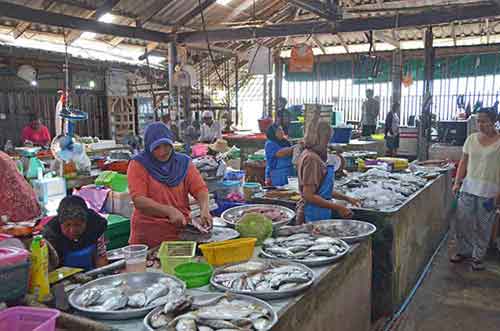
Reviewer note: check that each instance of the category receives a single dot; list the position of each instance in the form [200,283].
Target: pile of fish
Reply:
[305,248]
[211,313]
[381,190]
[277,214]
[120,296]
[259,276]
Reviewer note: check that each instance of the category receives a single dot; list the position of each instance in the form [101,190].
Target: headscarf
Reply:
[171,172]
[314,134]
[271,135]
[207,114]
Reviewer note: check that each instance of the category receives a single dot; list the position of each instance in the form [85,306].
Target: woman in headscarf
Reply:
[316,177]
[160,181]
[18,200]
[278,156]
[77,235]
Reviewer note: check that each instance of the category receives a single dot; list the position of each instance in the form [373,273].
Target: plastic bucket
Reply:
[194,274]
[341,135]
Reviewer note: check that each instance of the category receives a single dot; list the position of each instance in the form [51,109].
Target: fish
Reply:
[204,328]
[175,303]
[322,247]
[159,320]
[269,242]
[108,293]
[218,324]
[137,300]
[224,312]
[326,240]
[186,325]
[159,301]
[299,236]
[114,303]
[298,249]
[155,291]
[246,267]
[279,251]
[287,286]
[261,324]
[228,276]
[90,296]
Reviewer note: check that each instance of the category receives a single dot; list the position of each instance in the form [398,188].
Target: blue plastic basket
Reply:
[341,135]
[223,205]
[14,281]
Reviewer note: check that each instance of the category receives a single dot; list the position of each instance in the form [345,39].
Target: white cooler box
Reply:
[119,203]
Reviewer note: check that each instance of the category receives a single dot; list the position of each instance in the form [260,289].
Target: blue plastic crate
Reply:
[341,135]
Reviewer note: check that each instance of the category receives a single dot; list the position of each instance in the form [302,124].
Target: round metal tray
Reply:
[364,229]
[274,316]
[268,295]
[233,215]
[218,234]
[319,261]
[135,281]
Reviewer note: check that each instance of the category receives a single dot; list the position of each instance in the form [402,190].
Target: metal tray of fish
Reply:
[306,248]
[263,279]
[209,309]
[110,297]
[283,215]
[350,231]
[217,234]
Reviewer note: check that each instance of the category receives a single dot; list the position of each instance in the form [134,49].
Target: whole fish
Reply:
[115,303]
[279,251]
[299,236]
[137,300]
[155,291]
[224,312]
[204,328]
[186,325]
[175,303]
[326,240]
[159,301]
[299,242]
[261,324]
[269,242]
[246,267]
[108,294]
[228,276]
[159,320]
[90,296]
[322,247]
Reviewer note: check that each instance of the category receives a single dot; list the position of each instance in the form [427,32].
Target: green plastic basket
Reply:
[174,253]
[194,274]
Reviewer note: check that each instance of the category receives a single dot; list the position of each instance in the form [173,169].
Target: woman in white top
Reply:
[478,185]
[210,129]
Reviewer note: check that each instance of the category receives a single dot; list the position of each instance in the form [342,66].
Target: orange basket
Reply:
[229,251]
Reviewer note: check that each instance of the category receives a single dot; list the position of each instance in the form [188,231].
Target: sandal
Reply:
[477,265]
[457,258]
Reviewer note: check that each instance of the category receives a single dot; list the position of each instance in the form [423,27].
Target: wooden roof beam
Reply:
[391,40]
[316,7]
[22,27]
[184,19]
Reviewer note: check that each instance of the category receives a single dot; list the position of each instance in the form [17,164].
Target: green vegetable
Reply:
[255,225]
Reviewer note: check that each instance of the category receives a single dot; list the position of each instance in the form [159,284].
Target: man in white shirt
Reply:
[210,130]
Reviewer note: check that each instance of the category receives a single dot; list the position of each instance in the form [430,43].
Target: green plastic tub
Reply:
[194,274]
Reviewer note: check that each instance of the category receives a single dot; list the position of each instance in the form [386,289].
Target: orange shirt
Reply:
[149,230]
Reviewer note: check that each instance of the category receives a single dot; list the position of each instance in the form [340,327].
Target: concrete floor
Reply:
[455,298]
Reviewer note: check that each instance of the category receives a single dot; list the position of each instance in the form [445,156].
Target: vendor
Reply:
[278,156]
[392,130]
[210,130]
[35,133]
[18,200]
[316,177]
[77,235]
[160,181]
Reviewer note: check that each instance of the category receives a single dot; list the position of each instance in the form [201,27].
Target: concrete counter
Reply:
[338,300]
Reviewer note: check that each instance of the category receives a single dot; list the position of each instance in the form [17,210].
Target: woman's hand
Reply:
[176,217]
[456,188]
[354,202]
[206,219]
[344,212]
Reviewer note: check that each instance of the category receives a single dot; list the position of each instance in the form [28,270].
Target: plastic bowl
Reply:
[194,274]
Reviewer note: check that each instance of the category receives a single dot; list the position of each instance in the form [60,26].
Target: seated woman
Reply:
[160,182]
[77,235]
[35,133]
[278,156]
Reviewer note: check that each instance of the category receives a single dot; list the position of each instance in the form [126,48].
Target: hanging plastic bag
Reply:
[302,59]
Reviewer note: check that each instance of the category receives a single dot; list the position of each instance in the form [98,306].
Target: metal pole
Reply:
[264,96]
[172,62]
[236,89]
[425,118]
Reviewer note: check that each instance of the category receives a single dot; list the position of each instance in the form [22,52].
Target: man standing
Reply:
[369,116]
[210,130]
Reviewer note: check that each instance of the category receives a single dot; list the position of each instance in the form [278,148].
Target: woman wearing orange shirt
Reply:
[160,181]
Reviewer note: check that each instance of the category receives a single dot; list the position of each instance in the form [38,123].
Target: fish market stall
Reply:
[411,215]
[361,145]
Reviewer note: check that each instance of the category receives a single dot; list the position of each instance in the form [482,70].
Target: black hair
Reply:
[72,207]
[490,112]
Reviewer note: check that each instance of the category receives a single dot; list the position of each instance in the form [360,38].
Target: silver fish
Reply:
[204,328]
[159,320]
[224,312]
[218,324]
[326,240]
[228,276]
[90,296]
[300,242]
[246,267]
[322,247]
[108,294]
[261,324]
[262,287]
[287,286]
[269,242]
[174,303]
[159,301]
[137,300]
[299,236]
[155,291]
[186,325]
[297,249]
[279,251]
[115,303]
